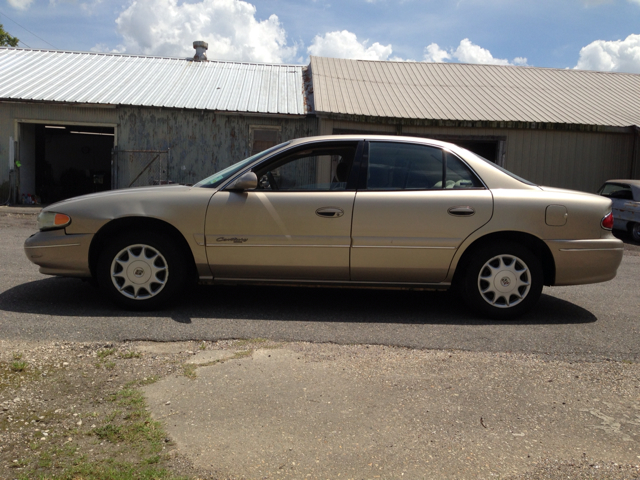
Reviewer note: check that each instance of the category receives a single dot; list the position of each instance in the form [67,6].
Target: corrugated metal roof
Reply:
[97,78]
[453,91]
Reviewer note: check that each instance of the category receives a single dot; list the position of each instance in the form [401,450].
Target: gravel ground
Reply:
[60,401]
[56,396]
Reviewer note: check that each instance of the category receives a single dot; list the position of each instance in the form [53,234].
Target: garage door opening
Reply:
[63,161]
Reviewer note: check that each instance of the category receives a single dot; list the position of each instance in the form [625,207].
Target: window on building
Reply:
[263,138]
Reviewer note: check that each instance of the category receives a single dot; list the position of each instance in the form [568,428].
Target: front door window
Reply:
[316,169]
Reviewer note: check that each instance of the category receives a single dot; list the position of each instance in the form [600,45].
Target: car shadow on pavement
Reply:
[73,298]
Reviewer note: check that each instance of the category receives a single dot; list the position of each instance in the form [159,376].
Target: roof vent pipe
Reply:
[201,51]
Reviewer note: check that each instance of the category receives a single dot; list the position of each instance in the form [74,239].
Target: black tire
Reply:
[502,281]
[142,270]
[635,231]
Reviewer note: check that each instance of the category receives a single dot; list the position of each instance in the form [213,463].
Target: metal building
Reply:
[79,122]
[564,128]
[74,123]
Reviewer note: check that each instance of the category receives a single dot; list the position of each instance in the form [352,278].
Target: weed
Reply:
[152,460]
[112,416]
[242,354]
[128,355]
[109,432]
[17,356]
[18,366]
[44,461]
[203,346]
[189,370]
[106,352]
[110,365]
[129,397]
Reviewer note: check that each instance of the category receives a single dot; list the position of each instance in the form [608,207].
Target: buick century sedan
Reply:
[357,210]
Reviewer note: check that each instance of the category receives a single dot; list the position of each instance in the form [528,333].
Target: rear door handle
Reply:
[329,212]
[461,211]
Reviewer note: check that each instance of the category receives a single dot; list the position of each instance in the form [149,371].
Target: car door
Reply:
[295,226]
[416,206]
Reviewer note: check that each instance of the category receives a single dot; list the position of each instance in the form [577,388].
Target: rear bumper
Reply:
[580,262]
[57,253]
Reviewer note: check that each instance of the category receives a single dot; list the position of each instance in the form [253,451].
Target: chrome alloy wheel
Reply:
[504,281]
[139,272]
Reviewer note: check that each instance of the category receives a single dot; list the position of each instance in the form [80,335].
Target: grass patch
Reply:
[242,354]
[108,470]
[189,370]
[128,355]
[17,356]
[131,446]
[102,354]
[18,366]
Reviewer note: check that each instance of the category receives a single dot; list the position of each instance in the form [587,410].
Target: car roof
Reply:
[635,183]
[355,137]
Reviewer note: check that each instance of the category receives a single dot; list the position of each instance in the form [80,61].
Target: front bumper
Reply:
[57,253]
[579,262]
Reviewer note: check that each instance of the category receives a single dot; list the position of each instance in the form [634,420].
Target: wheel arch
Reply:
[132,224]
[537,246]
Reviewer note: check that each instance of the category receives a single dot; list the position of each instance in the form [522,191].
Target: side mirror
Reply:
[247,181]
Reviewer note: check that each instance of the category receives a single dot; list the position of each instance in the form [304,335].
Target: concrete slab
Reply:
[329,411]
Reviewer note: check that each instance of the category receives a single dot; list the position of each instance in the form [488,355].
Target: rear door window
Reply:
[402,166]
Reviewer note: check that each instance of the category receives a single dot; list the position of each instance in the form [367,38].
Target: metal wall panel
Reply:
[200,142]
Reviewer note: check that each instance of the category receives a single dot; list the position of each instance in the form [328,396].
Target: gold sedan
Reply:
[365,211]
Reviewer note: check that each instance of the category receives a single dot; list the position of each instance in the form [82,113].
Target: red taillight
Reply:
[607,221]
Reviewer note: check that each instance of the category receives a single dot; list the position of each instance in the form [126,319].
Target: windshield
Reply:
[503,170]
[219,177]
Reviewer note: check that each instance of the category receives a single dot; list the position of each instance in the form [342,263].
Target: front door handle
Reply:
[461,211]
[329,212]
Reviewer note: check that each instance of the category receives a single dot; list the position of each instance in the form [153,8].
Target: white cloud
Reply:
[104,48]
[166,27]
[433,53]
[467,52]
[345,44]
[20,4]
[611,56]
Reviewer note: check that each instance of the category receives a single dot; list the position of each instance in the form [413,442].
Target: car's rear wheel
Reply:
[635,231]
[503,281]
[142,271]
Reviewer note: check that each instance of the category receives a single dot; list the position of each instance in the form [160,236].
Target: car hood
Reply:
[120,194]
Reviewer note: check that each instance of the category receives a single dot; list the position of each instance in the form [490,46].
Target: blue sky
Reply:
[590,34]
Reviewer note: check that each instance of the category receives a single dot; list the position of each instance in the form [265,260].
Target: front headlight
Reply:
[52,220]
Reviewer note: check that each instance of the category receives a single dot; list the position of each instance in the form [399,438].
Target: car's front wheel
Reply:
[503,281]
[142,271]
